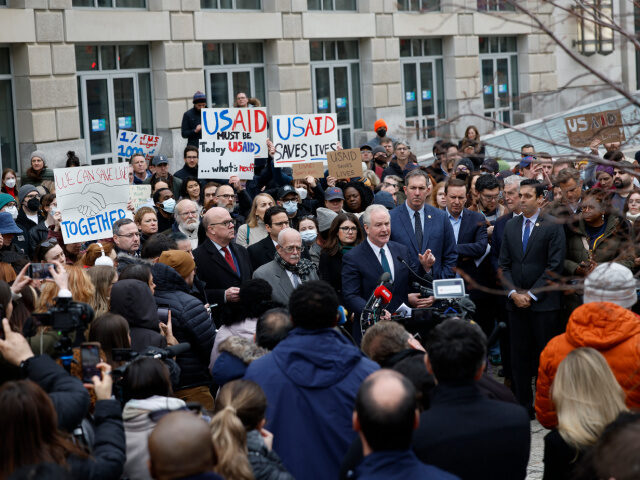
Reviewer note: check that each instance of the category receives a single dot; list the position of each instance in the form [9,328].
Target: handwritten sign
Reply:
[139,195]
[310,169]
[606,126]
[304,138]
[345,163]
[91,199]
[130,143]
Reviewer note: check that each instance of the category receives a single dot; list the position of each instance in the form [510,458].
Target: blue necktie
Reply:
[525,237]
[384,262]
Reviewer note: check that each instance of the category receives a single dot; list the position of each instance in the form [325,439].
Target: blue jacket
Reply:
[437,235]
[310,380]
[398,465]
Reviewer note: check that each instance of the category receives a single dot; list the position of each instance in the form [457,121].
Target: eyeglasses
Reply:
[490,197]
[387,184]
[292,248]
[227,196]
[226,223]
[129,235]
[280,224]
[402,148]
[349,229]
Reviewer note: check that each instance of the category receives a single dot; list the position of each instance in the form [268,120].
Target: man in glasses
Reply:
[187,221]
[275,220]
[226,197]
[288,269]
[126,237]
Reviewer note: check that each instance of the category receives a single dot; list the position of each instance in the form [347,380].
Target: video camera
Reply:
[451,299]
[66,316]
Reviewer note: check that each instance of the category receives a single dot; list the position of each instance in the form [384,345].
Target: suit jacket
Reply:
[262,252]
[472,241]
[496,239]
[437,236]
[540,264]
[273,273]
[217,275]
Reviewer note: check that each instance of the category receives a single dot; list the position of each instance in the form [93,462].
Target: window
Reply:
[331,4]
[593,36]
[115,93]
[496,5]
[418,5]
[335,77]
[499,66]
[423,85]
[8,154]
[231,68]
[110,3]
[3,3]
[231,4]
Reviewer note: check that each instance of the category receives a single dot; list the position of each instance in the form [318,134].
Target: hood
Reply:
[601,325]
[167,279]
[137,407]
[134,301]
[243,348]
[316,358]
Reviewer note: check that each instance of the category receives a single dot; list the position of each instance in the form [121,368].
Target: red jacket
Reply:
[609,328]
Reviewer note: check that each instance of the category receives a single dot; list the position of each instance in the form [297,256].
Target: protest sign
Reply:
[345,163]
[605,126]
[310,169]
[130,143]
[304,138]
[231,139]
[91,199]
[139,195]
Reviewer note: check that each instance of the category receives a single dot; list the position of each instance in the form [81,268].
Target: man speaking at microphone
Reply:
[363,266]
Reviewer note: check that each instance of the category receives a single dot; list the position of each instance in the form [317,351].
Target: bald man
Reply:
[288,269]
[222,265]
[385,416]
[187,220]
[180,446]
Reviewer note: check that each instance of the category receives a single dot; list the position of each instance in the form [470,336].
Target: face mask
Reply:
[168,205]
[53,210]
[33,204]
[291,207]
[309,236]
[13,211]
[302,192]
[382,132]
[583,175]
[10,182]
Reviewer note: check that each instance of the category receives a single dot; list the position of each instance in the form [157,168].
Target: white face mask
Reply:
[53,210]
[302,192]
[10,182]
[13,211]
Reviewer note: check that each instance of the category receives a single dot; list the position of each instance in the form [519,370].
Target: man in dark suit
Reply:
[463,431]
[275,220]
[222,265]
[432,233]
[364,264]
[531,257]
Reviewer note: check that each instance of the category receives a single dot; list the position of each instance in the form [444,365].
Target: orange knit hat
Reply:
[380,123]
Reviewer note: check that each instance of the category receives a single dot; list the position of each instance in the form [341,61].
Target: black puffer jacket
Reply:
[191,323]
[134,301]
[265,463]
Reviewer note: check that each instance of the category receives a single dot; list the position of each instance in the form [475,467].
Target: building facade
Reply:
[74,72]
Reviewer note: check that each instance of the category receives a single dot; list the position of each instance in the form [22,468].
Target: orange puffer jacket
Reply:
[609,328]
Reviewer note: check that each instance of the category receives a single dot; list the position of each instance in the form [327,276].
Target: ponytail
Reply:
[230,441]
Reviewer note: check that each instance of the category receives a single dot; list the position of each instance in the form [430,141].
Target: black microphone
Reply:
[427,278]
[170,351]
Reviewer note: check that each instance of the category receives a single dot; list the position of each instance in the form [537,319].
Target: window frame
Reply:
[511,56]
[13,163]
[233,8]
[333,9]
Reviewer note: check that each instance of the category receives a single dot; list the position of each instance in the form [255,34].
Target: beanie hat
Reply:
[467,163]
[385,199]
[325,218]
[25,190]
[5,198]
[379,149]
[605,168]
[199,97]
[39,154]
[611,282]
[181,261]
[380,123]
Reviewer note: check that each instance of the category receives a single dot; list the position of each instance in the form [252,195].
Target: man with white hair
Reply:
[188,220]
[288,269]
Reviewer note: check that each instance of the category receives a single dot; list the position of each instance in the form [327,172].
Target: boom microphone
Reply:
[170,351]
[427,278]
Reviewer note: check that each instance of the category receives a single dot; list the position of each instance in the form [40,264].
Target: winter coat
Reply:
[191,323]
[190,120]
[245,329]
[398,465]
[37,235]
[265,463]
[310,380]
[614,246]
[138,425]
[133,300]
[609,328]
[236,353]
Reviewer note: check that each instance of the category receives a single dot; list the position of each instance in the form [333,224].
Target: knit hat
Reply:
[39,154]
[385,199]
[25,190]
[325,218]
[379,149]
[467,163]
[611,282]
[199,97]
[380,123]
[181,261]
[5,198]
[605,168]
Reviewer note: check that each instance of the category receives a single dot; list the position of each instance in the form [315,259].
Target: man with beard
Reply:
[226,198]
[190,169]
[187,220]
[161,163]
[623,181]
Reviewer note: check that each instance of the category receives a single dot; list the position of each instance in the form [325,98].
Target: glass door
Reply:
[421,91]
[332,93]
[496,89]
[222,86]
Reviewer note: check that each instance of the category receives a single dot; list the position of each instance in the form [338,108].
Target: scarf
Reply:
[303,268]
[346,248]
[632,217]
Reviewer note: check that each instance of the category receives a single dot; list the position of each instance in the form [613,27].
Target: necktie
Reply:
[296,281]
[418,230]
[384,262]
[229,259]
[525,237]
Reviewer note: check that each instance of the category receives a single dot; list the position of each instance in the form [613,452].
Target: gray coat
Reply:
[279,280]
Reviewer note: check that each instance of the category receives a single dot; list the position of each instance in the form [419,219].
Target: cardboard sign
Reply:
[231,139]
[139,195]
[91,199]
[606,126]
[130,143]
[304,138]
[345,163]
[310,169]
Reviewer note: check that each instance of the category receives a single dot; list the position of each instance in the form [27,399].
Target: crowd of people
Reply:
[267,281]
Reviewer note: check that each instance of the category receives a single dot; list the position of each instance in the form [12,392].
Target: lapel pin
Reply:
[537,224]
[428,216]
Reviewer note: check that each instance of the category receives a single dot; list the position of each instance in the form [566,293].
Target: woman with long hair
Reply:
[191,190]
[587,398]
[96,251]
[254,230]
[103,278]
[111,331]
[9,182]
[48,208]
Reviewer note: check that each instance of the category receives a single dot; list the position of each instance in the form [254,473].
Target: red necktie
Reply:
[229,259]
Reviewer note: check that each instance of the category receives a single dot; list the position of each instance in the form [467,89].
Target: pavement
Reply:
[535,469]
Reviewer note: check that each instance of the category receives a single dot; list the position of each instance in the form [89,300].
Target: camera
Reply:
[66,316]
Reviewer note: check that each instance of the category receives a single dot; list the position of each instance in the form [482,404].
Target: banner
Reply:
[304,138]
[130,143]
[231,139]
[139,195]
[583,129]
[91,199]
[345,163]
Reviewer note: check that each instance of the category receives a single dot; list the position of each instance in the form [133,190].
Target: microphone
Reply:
[385,278]
[383,294]
[168,352]
[427,278]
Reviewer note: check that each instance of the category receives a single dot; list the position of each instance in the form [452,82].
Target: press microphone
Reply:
[427,278]
[170,351]
[385,278]
[382,294]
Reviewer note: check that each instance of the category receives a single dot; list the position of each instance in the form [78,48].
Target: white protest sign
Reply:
[130,143]
[231,139]
[91,199]
[139,195]
[304,138]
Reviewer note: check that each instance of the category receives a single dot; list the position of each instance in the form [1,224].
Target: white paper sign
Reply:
[91,199]
[304,138]
[139,195]
[130,143]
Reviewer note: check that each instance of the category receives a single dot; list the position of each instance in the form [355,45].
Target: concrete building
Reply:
[73,72]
